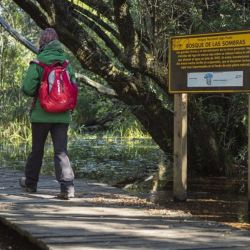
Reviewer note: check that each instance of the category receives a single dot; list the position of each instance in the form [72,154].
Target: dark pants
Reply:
[63,170]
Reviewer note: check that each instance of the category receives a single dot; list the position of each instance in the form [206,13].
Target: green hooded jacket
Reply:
[50,53]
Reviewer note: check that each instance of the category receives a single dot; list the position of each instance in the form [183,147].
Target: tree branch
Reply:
[80,77]
[34,12]
[135,58]
[101,7]
[125,26]
[17,36]
[90,55]
[77,39]
[97,86]
[131,86]
[98,20]
[92,25]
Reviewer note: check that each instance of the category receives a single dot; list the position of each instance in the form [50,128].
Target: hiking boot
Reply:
[65,195]
[22,183]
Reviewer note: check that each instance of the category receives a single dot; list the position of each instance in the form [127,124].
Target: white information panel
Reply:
[215,79]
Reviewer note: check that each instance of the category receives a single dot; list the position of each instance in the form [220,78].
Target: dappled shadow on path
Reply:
[228,208]
[102,217]
[116,221]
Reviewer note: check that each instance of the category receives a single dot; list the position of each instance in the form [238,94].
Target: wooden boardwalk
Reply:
[102,217]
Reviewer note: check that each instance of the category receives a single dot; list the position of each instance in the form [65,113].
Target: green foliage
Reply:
[127,126]
[90,106]
[231,15]
[93,107]
[157,20]
[14,107]
[14,59]
[227,115]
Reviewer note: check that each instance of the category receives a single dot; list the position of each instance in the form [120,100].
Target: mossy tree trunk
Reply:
[107,41]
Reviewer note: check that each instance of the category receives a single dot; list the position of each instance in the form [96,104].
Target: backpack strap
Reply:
[43,65]
[65,63]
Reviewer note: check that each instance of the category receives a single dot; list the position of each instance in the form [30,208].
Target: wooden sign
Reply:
[215,62]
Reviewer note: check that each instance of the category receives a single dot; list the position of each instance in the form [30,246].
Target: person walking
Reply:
[42,122]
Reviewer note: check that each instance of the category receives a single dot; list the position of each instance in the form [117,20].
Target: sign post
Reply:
[180,147]
[205,63]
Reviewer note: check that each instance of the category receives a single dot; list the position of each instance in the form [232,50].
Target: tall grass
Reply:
[127,127]
[15,133]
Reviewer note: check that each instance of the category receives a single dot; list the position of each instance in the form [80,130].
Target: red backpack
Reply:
[56,93]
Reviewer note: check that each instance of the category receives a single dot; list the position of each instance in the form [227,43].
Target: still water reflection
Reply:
[111,160]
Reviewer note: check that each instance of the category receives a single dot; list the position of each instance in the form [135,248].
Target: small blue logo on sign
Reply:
[208,78]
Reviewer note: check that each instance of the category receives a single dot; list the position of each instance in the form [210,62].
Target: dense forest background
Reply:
[217,138]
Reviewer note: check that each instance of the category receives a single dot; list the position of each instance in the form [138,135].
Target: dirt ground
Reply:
[227,209]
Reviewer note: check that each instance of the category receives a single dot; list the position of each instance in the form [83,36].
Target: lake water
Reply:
[110,160]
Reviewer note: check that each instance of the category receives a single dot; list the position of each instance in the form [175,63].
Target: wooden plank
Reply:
[130,240]
[87,223]
[180,147]
[143,245]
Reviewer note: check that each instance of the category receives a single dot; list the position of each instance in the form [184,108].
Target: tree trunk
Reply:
[139,80]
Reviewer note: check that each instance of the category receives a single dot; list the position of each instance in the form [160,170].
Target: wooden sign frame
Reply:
[205,63]
[212,62]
